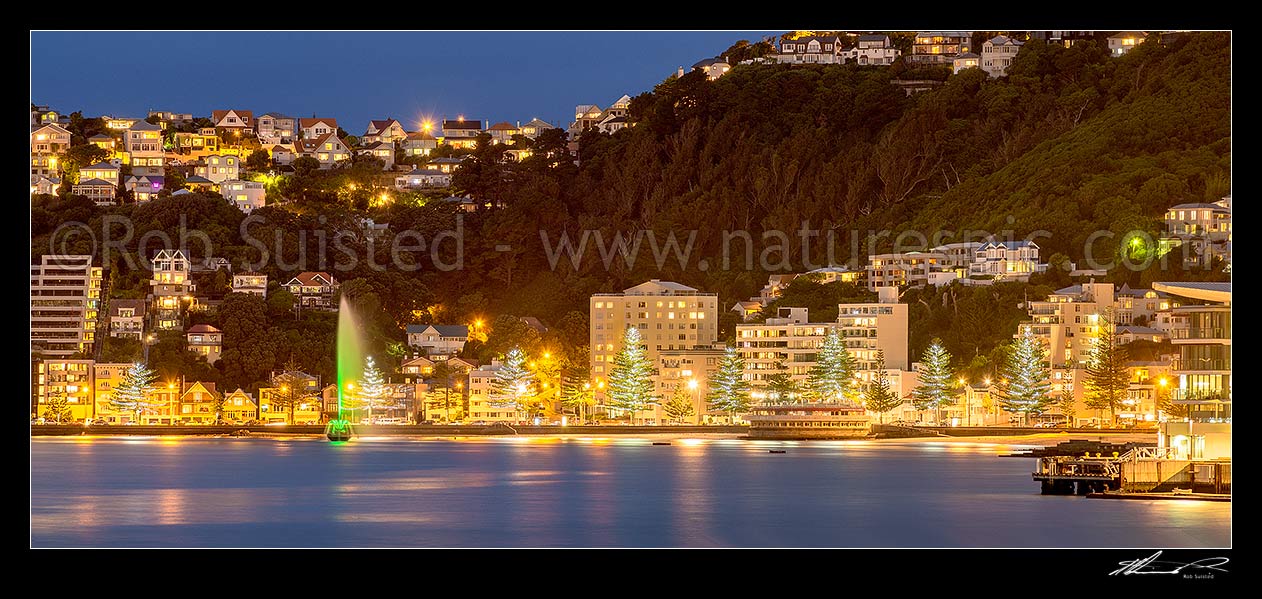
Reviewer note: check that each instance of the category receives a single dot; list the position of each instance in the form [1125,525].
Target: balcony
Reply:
[1215,333]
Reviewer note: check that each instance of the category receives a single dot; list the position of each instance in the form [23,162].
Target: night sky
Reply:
[357,76]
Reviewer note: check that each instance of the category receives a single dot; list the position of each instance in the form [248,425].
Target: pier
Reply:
[1156,471]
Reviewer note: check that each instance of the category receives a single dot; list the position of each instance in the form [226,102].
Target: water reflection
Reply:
[567,491]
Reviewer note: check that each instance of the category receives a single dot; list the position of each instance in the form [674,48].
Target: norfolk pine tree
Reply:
[936,380]
[1108,378]
[630,380]
[729,391]
[1025,387]
[831,378]
[511,387]
[132,393]
[679,406]
[879,397]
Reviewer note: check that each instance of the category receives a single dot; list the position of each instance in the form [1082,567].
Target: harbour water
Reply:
[573,492]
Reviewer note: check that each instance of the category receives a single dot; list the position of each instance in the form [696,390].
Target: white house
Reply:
[438,338]
[218,168]
[461,134]
[143,187]
[419,143]
[967,60]
[327,149]
[534,128]
[101,192]
[1124,41]
[144,149]
[47,143]
[233,120]
[422,178]
[313,127]
[997,54]
[276,128]
[1006,260]
[253,283]
[105,171]
[811,50]
[388,131]
[43,184]
[872,49]
[245,195]
[712,67]
[502,133]
[381,150]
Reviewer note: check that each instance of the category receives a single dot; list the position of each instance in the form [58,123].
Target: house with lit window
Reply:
[872,49]
[144,151]
[239,407]
[104,142]
[419,143]
[105,171]
[273,408]
[420,366]
[327,149]
[218,168]
[47,142]
[106,377]
[166,116]
[811,50]
[387,131]
[586,116]
[483,405]
[1124,41]
[283,155]
[99,191]
[939,47]
[1200,219]
[245,195]
[275,128]
[461,134]
[1006,261]
[205,341]
[64,379]
[712,67]
[445,165]
[196,143]
[170,290]
[612,124]
[967,60]
[502,133]
[253,283]
[42,184]
[127,318]
[121,123]
[313,128]
[381,150]
[143,187]
[437,339]
[422,178]
[533,128]
[314,290]
[233,120]
[997,54]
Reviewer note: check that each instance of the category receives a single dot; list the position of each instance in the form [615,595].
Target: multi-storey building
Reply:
[461,134]
[65,300]
[218,168]
[687,369]
[669,316]
[328,150]
[206,341]
[253,283]
[314,290]
[1203,370]
[276,128]
[1068,320]
[170,290]
[105,378]
[872,49]
[914,269]
[127,318]
[533,128]
[64,379]
[196,143]
[419,143]
[47,143]
[385,131]
[482,406]
[245,195]
[1143,307]
[239,407]
[869,327]
[789,340]
[997,54]
[939,47]
[1212,221]
[812,50]
[314,128]
[144,151]
[438,339]
[234,121]
[1006,260]
[1124,41]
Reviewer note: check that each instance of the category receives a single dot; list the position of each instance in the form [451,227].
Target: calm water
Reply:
[189,492]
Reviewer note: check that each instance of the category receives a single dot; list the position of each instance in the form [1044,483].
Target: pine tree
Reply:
[1108,378]
[57,409]
[934,390]
[729,391]
[577,392]
[1025,387]
[132,393]
[780,386]
[630,380]
[372,388]
[679,406]
[879,397]
[831,378]
[513,384]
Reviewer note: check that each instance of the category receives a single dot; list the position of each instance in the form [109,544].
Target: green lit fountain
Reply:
[349,360]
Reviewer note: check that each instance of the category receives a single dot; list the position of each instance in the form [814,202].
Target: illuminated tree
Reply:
[132,393]
[1025,387]
[513,384]
[936,380]
[57,409]
[831,378]
[577,392]
[729,391]
[630,380]
[781,386]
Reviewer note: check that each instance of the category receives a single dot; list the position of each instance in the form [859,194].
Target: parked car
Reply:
[478,422]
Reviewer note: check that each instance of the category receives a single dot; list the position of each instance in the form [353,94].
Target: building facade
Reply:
[669,315]
[65,301]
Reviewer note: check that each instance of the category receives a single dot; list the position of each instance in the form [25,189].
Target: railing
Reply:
[1201,333]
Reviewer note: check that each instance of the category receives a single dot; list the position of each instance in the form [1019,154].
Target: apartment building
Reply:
[1067,321]
[65,301]
[670,316]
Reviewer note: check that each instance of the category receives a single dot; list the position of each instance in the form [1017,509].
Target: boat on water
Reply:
[339,430]
[808,421]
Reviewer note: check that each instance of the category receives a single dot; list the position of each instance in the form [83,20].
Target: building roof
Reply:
[458,124]
[426,171]
[313,279]
[873,37]
[943,34]
[277,115]
[966,55]
[1196,205]
[218,115]
[378,145]
[307,146]
[502,126]
[539,124]
[307,123]
[1126,34]
[446,161]
[198,180]
[100,136]
[181,192]
[1012,245]
[668,285]
[420,135]
[135,304]
[382,125]
[202,328]
[705,62]
[1138,330]
[101,165]
[1070,290]
[1210,291]
[443,330]
[144,126]
[94,183]
[1003,40]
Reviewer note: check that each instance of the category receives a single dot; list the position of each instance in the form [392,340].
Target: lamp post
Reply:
[147,342]
[964,388]
[171,401]
[693,386]
[986,381]
[459,391]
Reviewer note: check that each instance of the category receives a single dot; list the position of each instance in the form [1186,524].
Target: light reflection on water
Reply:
[569,491]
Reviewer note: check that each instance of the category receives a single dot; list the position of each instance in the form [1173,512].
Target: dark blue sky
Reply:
[356,76]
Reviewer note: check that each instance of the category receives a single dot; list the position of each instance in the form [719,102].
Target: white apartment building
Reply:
[481,406]
[170,289]
[687,369]
[65,300]
[909,269]
[869,327]
[218,168]
[1067,321]
[144,151]
[245,195]
[1006,260]
[670,316]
